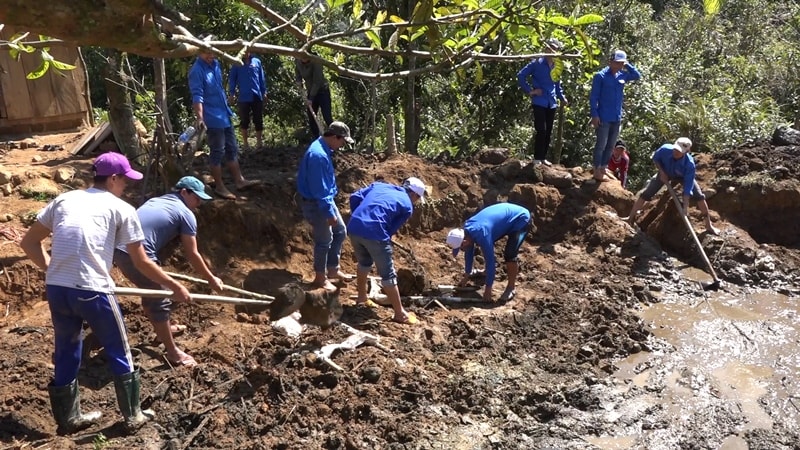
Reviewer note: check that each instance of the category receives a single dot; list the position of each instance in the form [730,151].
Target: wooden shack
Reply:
[58,101]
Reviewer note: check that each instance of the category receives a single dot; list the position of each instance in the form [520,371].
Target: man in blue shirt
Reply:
[484,229]
[316,185]
[249,80]
[674,163]
[211,111]
[605,102]
[163,219]
[377,213]
[544,94]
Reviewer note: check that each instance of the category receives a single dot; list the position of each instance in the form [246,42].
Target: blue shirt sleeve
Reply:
[262,79]
[487,247]
[317,166]
[469,258]
[196,81]
[358,196]
[233,77]
[688,177]
[632,73]
[522,78]
[401,216]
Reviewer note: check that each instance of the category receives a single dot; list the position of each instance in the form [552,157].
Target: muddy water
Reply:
[729,367]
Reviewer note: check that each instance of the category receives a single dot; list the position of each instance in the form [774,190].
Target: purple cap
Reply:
[112,163]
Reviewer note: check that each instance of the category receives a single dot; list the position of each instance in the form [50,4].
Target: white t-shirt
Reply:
[87,226]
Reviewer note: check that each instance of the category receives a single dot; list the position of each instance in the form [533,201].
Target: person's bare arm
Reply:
[152,271]
[189,244]
[33,245]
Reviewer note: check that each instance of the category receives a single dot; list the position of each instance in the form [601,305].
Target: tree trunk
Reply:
[120,108]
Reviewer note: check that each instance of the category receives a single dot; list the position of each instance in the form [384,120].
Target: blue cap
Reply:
[194,185]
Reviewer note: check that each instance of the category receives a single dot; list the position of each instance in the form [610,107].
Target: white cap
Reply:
[619,56]
[416,185]
[683,145]
[454,239]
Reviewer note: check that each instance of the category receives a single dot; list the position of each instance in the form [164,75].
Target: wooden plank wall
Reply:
[56,98]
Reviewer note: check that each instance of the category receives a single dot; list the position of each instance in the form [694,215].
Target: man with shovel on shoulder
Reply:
[86,226]
[163,219]
[674,163]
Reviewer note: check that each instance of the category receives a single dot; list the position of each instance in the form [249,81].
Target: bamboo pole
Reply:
[154,293]
[226,287]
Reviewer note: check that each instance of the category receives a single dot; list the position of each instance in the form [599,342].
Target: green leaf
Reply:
[39,73]
[711,7]
[557,70]
[357,9]
[559,20]
[308,28]
[588,19]
[62,66]
[374,38]
[13,52]
[396,19]
[380,18]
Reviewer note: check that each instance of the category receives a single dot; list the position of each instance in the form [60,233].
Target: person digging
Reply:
[484,229]
[674,163]
[163,219]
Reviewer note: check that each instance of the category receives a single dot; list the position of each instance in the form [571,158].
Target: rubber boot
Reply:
[127,389]
[65,402]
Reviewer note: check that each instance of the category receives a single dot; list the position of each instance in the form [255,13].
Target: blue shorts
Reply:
[378,252]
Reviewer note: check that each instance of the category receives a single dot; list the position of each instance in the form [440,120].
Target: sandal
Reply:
[367,304]
[185,360]
[410,319]
[508,295]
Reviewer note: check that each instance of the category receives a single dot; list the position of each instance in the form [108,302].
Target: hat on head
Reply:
[621,143]
[194,185]
[113,163]
[683,145]
[619,56]
[554,44]
[454,239]
[415,185]
[337,128]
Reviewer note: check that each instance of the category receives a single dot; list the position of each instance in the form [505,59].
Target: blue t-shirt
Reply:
[489,225]
[538,71]
[378,211]
[316,179]
[164,218]
[250,80]
[683,168]
[605,99]
[205,84]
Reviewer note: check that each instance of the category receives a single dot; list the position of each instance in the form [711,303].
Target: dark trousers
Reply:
[543,119]
[320,103]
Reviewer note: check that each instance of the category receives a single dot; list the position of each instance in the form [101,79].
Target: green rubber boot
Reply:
[127,389]
[65,401]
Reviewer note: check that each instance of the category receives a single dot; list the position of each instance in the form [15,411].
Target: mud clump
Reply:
[317,307]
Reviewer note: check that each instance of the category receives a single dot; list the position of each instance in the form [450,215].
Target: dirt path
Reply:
[546,370]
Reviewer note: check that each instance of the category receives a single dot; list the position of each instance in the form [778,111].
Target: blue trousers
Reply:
[69,308]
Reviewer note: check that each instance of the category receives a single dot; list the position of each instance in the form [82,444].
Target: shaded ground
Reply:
[532,373]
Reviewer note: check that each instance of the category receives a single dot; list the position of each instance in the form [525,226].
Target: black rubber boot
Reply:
[127,388]
[65,402]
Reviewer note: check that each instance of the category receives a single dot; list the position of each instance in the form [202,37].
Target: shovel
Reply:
[713,286]
[155,293]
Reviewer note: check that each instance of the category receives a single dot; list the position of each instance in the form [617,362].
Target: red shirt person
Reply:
[619,162]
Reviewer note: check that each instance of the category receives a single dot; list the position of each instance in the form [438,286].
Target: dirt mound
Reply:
[500,373]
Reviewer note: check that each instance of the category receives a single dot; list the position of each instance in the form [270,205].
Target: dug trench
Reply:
[535,372]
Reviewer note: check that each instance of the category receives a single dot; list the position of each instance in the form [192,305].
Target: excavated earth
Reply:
[533,373]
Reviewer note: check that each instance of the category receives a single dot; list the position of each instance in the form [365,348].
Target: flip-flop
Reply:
[248,184]
[367,304]
[184,361]
[344,277]
[226,195]
[177,329]
[506,296]
[410,319]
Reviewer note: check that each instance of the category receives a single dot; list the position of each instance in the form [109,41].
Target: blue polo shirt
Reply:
[683,168]
[205,84]
[250,80]
[605,99]
[316,179]
[378,211]
[538,71]
[489,225]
